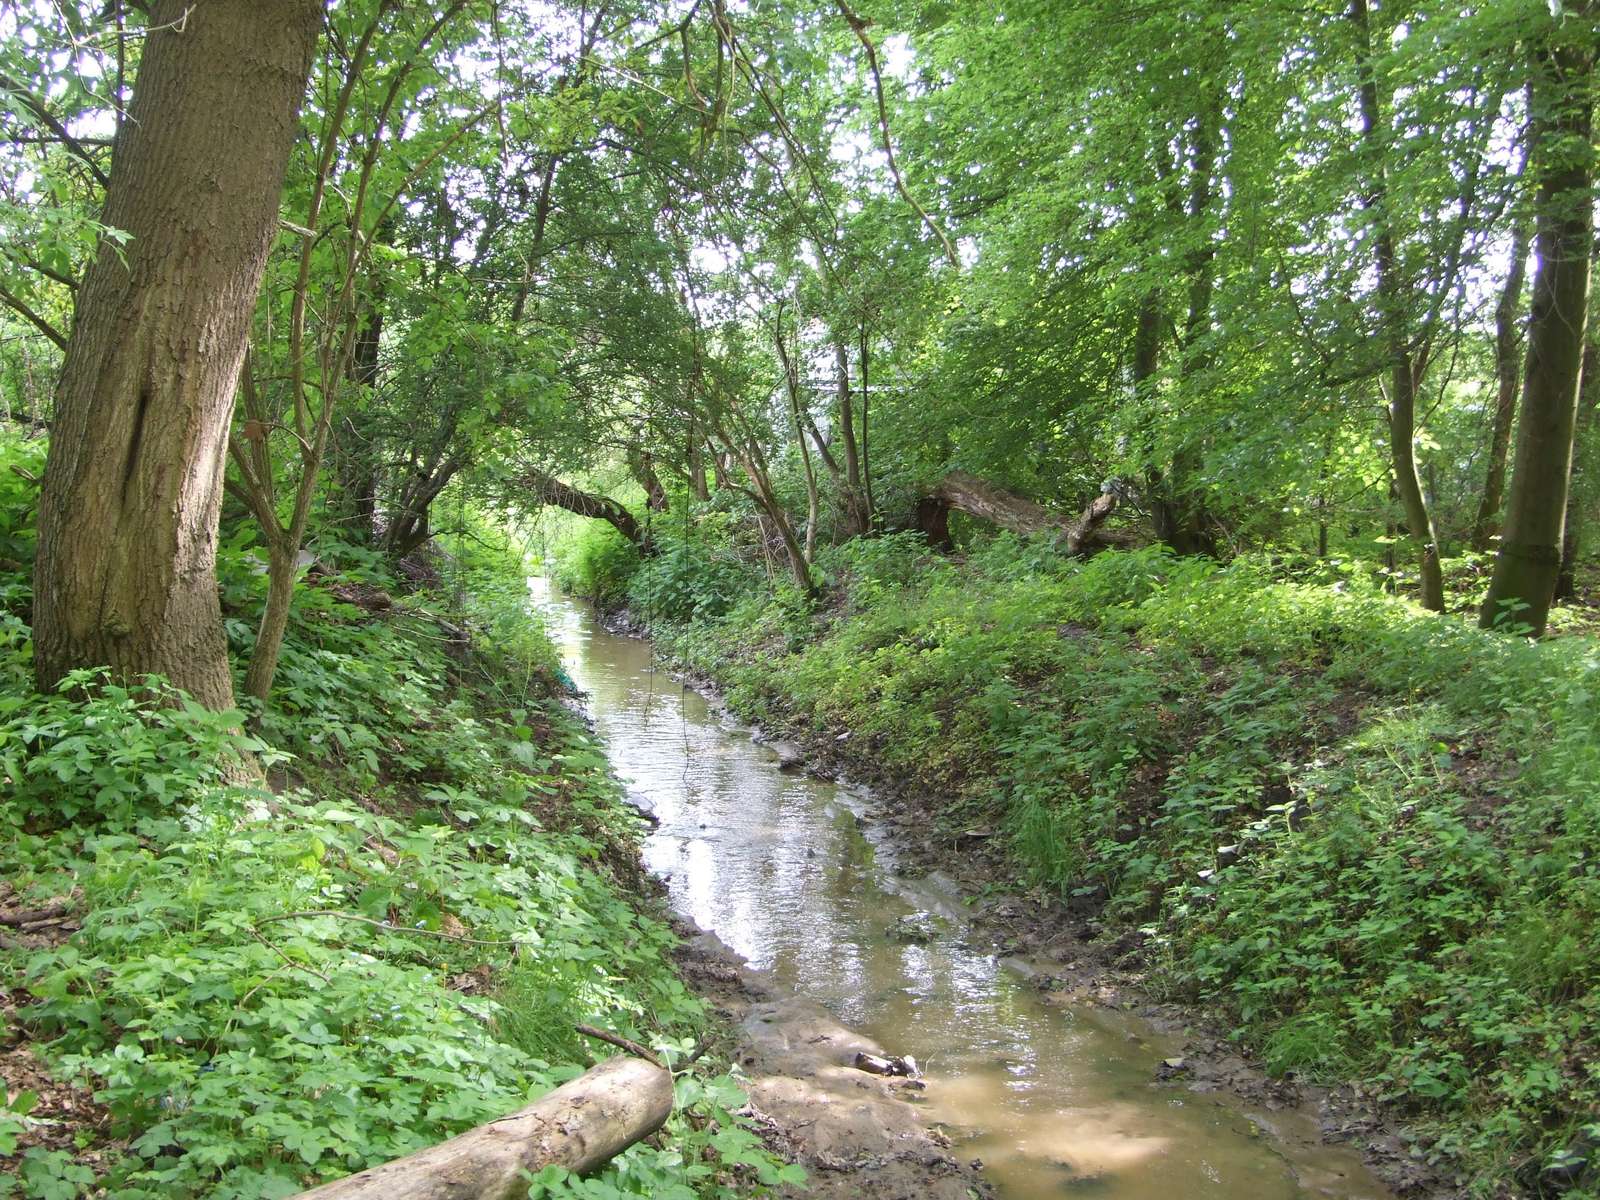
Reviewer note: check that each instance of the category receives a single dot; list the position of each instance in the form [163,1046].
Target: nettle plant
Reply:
[103,752]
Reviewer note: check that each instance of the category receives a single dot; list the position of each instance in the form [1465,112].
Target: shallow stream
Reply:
[1057,1100]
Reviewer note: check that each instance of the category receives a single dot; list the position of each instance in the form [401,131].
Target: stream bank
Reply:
[1360,836]
[1051,1091]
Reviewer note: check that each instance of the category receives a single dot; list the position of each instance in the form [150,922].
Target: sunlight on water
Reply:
[1057,1101]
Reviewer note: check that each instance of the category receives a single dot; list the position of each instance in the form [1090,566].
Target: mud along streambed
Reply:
[1057,1100]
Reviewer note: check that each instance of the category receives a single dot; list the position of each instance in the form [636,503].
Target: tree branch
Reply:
[20,306]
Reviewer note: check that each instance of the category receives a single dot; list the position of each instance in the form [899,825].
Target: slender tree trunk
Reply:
[746,451]
[791,379]
[697,468]
[1188,523]
[1508,369]
[1529,561]
[777,516]
[866,439]
[274,621]
[858,518]
[1164,515]
[1405,372]
[1580,489]
[126,571]
[355,461]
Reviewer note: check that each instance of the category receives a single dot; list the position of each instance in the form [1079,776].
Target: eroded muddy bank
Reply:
[1037,1062]
[1070,956]
[857,1134]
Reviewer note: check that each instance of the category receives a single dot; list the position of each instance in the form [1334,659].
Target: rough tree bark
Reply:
[1405,370]
[1508,367]
[1580,488]
[126,569]
[580,1126]
[547,489]
[1529,561]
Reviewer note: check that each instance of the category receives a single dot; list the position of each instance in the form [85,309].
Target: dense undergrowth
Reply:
[268,989]
[1365,832]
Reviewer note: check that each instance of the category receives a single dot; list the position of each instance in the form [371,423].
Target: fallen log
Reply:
[31,916]
[1011,510]
[580,1126]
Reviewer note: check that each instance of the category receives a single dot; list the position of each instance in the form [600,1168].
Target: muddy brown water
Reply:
[1057,1100]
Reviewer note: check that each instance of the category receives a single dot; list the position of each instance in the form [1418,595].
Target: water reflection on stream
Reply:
[1056,1100]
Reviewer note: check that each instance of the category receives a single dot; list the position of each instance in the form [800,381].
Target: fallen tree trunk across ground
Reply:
[1010,510]
[580,1126]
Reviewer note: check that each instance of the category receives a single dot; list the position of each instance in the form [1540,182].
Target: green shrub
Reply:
[98,752]
[271,990]
[21,465]
[1409,894]
[597,563]
[685,581]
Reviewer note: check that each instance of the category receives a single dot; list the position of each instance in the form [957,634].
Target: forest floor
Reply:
[235,993]
[1409,958]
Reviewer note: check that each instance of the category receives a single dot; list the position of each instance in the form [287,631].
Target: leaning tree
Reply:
[128,515]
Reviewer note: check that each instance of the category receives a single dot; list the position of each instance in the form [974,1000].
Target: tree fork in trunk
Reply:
[1508,369]
[1529,561]
[126,569]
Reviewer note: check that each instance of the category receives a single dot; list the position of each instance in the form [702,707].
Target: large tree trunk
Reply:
[580,1126]
[1529,561]
[1508,367]
[126,571]
[1405,370]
